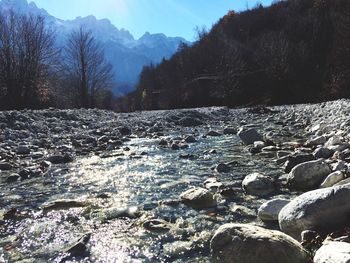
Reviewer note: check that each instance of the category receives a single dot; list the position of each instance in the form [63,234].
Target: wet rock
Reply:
[79,249]
[258,184]
[281,154]
[124,131]
[249,136]
[332,179]
[190,122]
[229,191]
[157,225]
[25,174]
[316,141]
[59,159]
[294,160]
[177,249]
[323,153]
[5,166]
[198,198]
[23,149]
[241,243]
[190,139]
[333,252]
[163,142]
[269,211]
[323,210]
[230,131]
[103,139]
[214,134]
[223,168]
[254,150]
[308,175]
[13,178]
[188,156]
[175,147]
[62,205]
[212,184]
[242,210]
[14,214]
[132,212]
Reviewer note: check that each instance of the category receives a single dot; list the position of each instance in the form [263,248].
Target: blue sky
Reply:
[172,17]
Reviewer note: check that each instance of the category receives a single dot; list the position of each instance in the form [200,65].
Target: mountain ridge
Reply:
[126,54]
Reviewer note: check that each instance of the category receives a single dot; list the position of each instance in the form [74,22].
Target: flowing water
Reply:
[146,176]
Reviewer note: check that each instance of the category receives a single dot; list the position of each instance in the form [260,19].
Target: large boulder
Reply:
[308,175]
[333,252]
[269,211]
[249,136]
[258,184]
[240,243]
[322,210]
[198,198]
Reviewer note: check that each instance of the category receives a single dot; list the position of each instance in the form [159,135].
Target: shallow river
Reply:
[145,176]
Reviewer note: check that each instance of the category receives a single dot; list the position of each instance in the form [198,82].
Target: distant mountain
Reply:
[127,54]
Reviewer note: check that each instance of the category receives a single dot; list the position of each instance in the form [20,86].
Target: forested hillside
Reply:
[293,51]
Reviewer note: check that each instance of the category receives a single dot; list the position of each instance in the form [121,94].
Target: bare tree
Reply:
[86,65]
[27,59]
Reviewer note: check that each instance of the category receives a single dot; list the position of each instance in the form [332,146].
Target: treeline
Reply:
[293,51]
[35,73]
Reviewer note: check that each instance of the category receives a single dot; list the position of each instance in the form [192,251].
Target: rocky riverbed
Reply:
[199,185]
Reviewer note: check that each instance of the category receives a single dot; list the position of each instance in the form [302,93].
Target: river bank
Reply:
[91,185]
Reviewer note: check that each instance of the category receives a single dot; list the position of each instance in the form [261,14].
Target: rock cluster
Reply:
[303,191]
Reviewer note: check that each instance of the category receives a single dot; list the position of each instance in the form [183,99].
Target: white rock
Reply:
[335,140]
[323,210]
[333,252]
[308,175]
[332,179]
[240,243]
[269,211]
[259,144]
[198,198]
[258,184]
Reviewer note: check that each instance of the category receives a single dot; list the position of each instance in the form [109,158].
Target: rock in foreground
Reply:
[323,210]
[239,243]
[333,252]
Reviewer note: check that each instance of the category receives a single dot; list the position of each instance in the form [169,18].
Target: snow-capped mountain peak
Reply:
[127,54]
